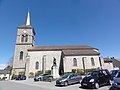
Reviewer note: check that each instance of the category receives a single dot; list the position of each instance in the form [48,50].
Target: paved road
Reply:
[31,85]
[7,85]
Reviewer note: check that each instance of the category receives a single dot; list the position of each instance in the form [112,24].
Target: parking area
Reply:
[51,85]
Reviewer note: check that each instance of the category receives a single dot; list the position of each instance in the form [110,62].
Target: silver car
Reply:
[43,77]
[69,79]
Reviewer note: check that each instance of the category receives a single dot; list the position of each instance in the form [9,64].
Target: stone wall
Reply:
[68,62]
[37,56]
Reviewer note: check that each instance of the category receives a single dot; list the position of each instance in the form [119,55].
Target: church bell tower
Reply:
[24,40]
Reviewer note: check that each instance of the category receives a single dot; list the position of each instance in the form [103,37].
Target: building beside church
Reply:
[4,74]
[31,58]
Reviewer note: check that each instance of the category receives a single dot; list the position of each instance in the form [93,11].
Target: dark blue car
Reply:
[21,77]
[116,82]
[113,73]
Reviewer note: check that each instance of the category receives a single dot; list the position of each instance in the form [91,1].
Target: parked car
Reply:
[113,73]
[69,79]
[116,82]
[43,77]
[96,78]
[21,77]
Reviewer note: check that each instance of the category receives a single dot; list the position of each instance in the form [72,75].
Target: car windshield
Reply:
[118,75]
[65,76]
[19,76]
[94,73]
[114,72]
[88,73]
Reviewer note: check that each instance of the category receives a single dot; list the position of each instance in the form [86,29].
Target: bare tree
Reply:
[10,61]
[9,66]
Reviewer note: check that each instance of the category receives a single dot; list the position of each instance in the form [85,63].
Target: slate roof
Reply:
[68,50]
[4,72]
[116,62]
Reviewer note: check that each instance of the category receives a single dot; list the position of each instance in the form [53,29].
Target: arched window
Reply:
[21,55]
[92,62]
[74,62]
[24,38]
[37,65]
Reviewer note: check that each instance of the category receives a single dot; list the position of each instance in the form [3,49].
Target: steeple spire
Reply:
[28,22]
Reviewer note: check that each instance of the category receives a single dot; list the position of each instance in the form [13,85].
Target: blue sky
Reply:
[62,22]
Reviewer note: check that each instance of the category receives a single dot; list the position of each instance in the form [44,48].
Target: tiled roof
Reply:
[68,50]
[35,48]
[80,52]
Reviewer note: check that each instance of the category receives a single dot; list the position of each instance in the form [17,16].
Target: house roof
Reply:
[107,60]
[68,50]
[4,72]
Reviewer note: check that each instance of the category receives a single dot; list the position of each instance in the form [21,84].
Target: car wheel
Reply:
[109,82]
[97,85]
[50,79]
[39,79]
[65,83]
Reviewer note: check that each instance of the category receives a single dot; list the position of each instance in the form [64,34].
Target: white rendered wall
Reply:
[5,75]
[38,56]
[68,62]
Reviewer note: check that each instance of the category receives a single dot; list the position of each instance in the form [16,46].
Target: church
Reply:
[30,58]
